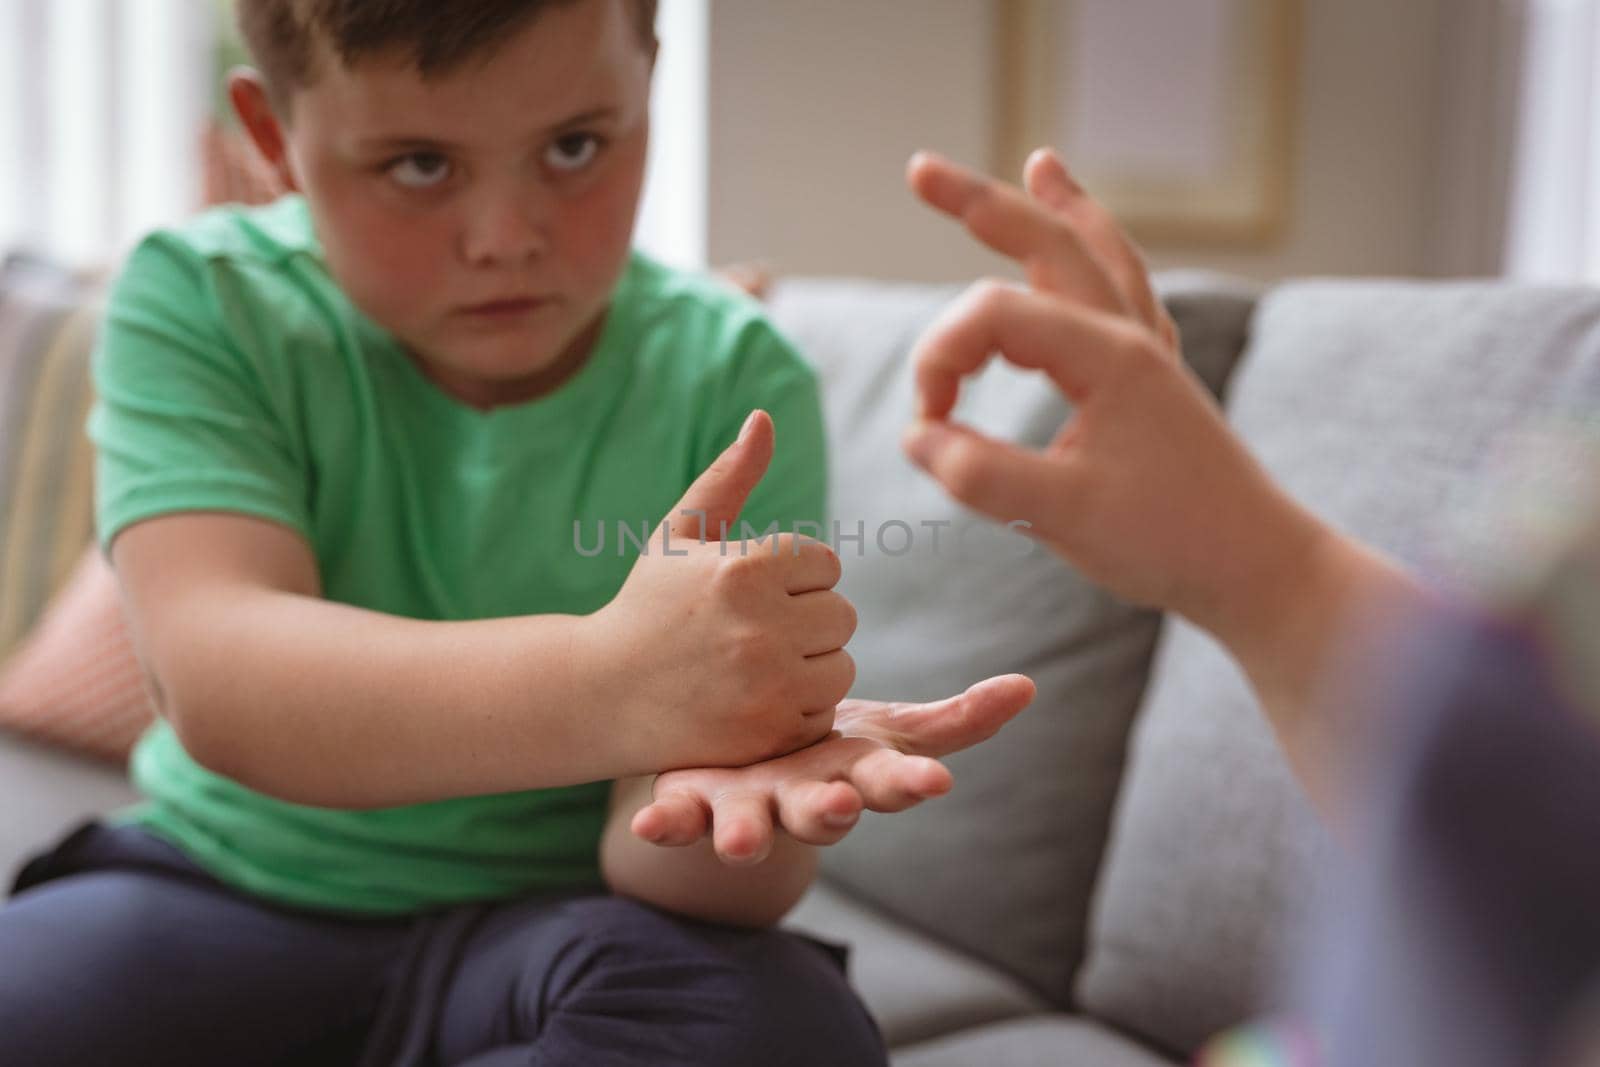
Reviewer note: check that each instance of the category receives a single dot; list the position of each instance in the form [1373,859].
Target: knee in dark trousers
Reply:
[606,980]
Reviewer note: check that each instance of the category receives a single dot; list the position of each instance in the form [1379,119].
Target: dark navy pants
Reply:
[117,949]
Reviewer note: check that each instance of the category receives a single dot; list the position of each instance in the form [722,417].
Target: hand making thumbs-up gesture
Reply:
[735,649]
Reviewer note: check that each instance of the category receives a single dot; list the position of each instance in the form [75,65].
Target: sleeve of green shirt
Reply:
[769,374]
[181,420]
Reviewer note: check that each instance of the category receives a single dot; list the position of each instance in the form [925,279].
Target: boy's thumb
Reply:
[715,499]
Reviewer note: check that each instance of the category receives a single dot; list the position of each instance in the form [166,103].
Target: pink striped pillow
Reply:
[75,680]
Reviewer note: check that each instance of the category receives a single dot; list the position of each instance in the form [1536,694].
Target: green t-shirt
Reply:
[234,375]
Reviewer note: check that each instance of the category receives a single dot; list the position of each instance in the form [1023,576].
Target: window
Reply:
[672,218]
[102,103]
[1555,209]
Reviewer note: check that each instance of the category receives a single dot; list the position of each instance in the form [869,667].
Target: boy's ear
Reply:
[248,94]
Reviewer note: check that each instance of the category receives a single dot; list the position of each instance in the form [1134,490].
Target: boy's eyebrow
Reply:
[433,143]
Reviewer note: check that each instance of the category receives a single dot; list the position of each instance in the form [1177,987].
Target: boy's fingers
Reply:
[1012,223]
[1072,344]
[805,564]
[677,818]
[1007,483]
[1047,180]
[892,781]
[816,812]
[958,722]
[823,682]
[741,827]
[811,564]
[820,622]
[718,495]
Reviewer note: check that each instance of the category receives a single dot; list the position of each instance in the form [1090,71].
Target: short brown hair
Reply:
[439,34]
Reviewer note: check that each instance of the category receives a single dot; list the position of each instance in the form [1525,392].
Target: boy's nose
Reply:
[506,230]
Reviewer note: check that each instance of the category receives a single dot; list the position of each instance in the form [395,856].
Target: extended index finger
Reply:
[1016,225]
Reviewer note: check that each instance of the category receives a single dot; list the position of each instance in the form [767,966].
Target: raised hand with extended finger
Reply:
[735,651]
[1145,488]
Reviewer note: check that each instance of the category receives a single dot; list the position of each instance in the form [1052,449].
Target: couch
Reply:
[1118,874]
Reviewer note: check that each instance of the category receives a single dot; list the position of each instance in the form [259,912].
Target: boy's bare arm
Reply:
[327,704]
[693,880]
[703,658]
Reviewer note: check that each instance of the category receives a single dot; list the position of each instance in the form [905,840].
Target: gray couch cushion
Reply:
[43,793]
[914,986]
[1002,867]
[1042,1041]
[1384,407]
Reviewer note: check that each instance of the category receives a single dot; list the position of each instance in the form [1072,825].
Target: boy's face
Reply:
[483,216]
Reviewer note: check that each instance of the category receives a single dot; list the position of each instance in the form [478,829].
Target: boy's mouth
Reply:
[509,307]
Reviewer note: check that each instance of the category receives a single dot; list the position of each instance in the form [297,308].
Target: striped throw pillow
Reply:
[75,681]
[68,674]
[47,324]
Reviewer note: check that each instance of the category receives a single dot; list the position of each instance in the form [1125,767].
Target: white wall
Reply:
[815,105]
[1366,143]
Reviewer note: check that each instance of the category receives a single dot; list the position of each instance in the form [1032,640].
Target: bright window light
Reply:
[672,218]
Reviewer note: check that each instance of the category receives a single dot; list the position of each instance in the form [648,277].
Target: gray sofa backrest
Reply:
[1003,867]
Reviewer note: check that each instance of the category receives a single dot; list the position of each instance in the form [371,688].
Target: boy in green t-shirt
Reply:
[376,468]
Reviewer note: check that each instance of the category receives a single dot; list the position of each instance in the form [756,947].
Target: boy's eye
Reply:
[572,152]
[420,170]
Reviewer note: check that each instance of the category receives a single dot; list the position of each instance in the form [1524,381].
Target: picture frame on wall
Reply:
[1178,115]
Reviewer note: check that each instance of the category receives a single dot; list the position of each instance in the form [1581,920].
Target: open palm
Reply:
[880,756]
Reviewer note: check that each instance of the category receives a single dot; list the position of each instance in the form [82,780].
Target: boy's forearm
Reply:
[325,704]
[691,880]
